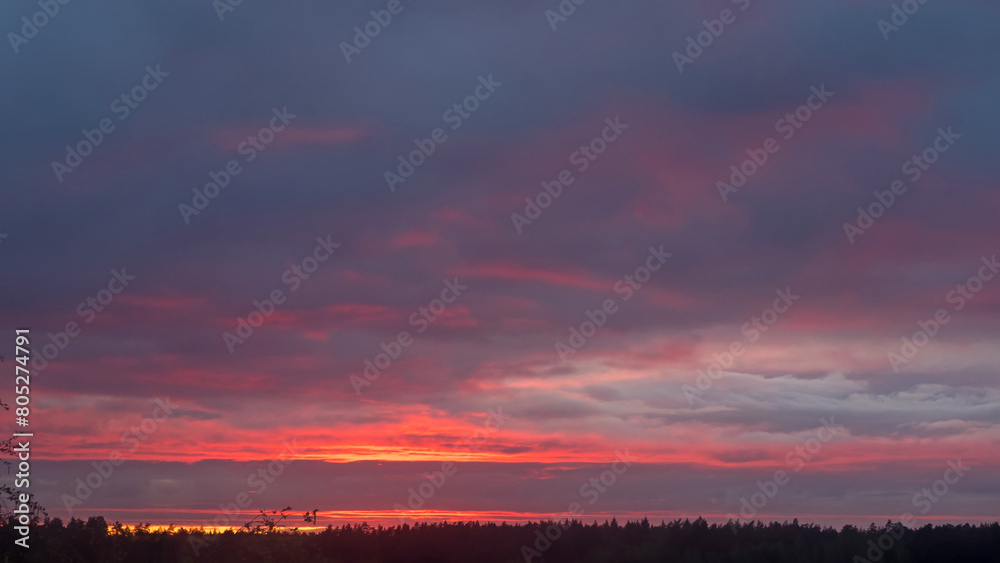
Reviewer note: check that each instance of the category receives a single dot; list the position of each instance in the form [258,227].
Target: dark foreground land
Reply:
[635,542]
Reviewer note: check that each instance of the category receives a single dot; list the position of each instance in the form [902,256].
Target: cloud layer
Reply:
[702,370]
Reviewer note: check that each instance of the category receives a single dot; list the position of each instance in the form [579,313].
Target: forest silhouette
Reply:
[679,541]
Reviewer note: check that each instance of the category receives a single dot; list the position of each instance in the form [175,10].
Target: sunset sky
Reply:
[752,318]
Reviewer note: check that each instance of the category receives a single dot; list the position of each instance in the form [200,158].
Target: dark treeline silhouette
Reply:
[93,541]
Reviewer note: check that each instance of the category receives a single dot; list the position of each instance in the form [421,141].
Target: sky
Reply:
[498,261]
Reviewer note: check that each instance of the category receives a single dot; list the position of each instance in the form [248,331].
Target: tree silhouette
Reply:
[8,494]
[680,541]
